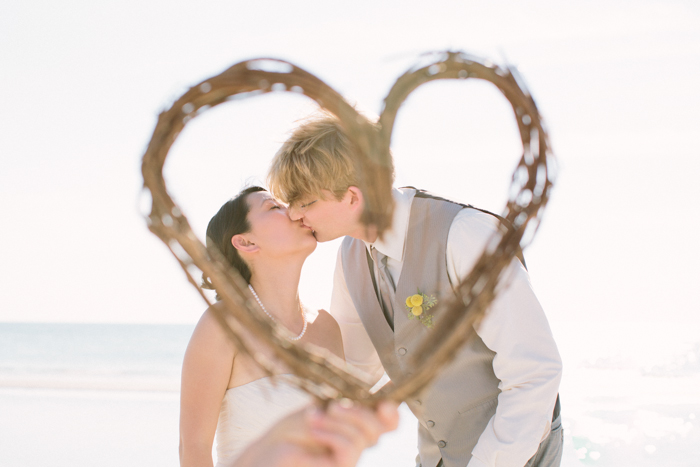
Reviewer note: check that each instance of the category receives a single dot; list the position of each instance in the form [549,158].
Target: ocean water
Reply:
[107,394]
[90,394]
[92,356]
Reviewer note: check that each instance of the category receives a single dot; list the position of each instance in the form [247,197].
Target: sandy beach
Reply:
[622,404]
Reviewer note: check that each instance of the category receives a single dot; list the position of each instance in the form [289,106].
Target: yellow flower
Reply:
[417,306]
[416,300]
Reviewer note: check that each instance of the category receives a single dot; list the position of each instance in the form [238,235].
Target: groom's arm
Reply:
[527,361]
[359,350]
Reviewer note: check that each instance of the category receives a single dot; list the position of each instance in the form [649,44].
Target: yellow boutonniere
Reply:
[418,304]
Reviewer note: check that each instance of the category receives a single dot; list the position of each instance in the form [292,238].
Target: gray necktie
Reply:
[385,283]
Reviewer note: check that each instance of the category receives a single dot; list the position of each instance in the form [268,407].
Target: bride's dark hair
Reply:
[232,219]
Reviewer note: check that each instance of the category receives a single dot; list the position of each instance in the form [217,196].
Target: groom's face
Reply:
[328,217]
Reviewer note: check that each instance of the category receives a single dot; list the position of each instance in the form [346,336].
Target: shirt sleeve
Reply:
[359,350]
[527,361]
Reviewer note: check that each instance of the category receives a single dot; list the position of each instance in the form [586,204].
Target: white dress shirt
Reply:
[527,361]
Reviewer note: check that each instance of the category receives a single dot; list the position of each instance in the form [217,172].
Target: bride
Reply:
[224,393]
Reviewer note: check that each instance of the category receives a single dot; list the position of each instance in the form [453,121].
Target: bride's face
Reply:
[273,232]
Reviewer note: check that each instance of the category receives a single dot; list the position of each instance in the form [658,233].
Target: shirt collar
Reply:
[392,244]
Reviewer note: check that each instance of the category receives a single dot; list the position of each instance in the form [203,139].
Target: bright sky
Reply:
[81,84]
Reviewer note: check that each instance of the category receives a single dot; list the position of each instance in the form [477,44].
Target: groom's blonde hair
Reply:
[317,156]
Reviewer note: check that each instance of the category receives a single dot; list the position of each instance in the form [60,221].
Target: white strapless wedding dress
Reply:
[249,410]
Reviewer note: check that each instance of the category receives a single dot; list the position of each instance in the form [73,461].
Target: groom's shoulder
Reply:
[468,215]
[430,196]
[475,222]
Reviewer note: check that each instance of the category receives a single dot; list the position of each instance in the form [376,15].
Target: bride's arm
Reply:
[206,372]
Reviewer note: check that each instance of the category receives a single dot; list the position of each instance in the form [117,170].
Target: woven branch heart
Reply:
[322,375]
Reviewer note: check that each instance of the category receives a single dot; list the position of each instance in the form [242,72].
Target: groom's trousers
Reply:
[551,449]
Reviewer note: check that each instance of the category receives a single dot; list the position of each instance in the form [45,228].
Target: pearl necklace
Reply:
[303,316]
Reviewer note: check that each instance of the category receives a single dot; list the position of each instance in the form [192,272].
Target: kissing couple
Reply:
[495,404]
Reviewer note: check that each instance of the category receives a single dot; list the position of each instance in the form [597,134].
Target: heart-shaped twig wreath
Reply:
[320,374]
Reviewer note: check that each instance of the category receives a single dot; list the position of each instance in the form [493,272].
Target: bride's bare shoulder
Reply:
[209,331]
[209,356]
[324,319]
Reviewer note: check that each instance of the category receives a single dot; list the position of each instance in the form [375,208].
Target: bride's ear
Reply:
[241,243]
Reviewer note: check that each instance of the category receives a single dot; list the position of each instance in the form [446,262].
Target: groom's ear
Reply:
[242,244]
[355,198]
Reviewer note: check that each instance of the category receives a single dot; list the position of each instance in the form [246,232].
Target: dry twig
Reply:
[320,374]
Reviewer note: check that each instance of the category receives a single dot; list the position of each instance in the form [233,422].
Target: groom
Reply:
[496,404]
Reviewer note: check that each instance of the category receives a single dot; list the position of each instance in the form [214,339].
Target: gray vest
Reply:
[455,409]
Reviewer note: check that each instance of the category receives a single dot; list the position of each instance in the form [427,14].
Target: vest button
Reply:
[442,444]
[402,351]
[431,424]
